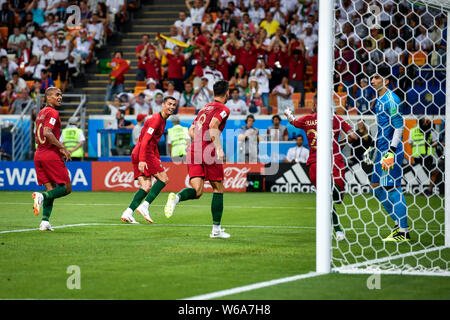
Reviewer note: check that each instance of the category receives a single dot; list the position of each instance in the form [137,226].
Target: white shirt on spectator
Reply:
[20,85]
[197,14]
[310,42]
[83,45]
[284,103]
[187,23]
[238,107]
[145,108]
[289,5]
[175,94]
[36,70]
[391,55]
[277,16]
[37,45]
[95,30]
[298,154]
[49,56]
[151,94]
[213,76]
[423,42]
[60,49]
[256,15]
[203,97]
[114,5]
[51,28]
[263,80]
[155,107]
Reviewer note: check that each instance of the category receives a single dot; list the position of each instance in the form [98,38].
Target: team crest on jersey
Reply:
[52,121]
[150,130]
[223,114]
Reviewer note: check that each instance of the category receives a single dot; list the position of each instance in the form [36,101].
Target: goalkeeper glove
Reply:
[368,156]
[289,115]
[387,162]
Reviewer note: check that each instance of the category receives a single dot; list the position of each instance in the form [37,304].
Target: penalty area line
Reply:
[258,285]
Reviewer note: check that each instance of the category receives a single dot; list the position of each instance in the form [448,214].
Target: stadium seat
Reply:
[138,90]
[296,97]
[309,96]
[29,84]
[141,84]
[4,33]
[4,110]
[186,110]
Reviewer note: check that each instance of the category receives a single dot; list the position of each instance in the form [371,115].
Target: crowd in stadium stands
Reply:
[268,50]
[42,44]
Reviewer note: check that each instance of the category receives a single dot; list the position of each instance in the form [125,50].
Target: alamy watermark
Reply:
[74,280]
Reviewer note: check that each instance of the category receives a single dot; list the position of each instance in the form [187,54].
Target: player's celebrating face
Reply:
[169,106]
[53,97]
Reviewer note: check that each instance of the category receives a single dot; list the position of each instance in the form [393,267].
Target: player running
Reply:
[205,158]
[146,162]
[309,124]
[387,175]
[51,170]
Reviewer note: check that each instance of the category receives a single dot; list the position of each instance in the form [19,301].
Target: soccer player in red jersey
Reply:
[205,157]
[309,124]
[147,164]
[48,158]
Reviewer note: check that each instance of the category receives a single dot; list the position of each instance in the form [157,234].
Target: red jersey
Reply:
[297,69]
[151,133]
[248,58]
[47,117]
[175,70]
[202,138]
[309,124]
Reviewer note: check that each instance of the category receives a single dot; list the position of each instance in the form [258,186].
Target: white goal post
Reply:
[383,261]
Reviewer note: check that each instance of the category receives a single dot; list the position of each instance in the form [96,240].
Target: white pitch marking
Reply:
[258,285]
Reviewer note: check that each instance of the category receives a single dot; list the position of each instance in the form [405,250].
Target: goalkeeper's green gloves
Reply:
[387,162]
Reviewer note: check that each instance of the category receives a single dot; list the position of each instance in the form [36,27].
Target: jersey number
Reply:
[41,141]
[314,137]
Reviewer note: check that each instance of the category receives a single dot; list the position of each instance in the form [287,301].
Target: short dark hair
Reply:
[250,116]
[220,88]
[118,51]
[234,90]
[276,117]
[168,98]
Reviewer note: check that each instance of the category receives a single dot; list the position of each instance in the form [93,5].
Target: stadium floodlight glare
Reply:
[363,216]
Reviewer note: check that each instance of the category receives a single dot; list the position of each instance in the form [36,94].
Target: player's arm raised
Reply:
[214,133]
[48,133]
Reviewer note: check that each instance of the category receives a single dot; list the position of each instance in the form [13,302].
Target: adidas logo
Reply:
[293,180]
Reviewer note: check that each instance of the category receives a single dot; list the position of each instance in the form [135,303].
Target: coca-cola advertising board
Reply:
[118,176]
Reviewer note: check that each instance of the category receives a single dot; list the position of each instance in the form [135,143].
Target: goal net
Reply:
[410,38]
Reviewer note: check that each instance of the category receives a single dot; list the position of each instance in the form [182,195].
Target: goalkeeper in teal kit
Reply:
[387,174]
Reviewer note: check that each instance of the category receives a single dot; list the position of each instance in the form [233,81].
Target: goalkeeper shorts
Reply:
[391,178]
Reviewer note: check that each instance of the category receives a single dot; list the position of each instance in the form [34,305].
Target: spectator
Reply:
[263,74]
[208,24]
[187,96]
[156,103]
[212,73]
[175,66]
[175,33]
[20,103]
[297,154]
[269,24]
[8,96]
[50,26]
[256,13]
[141,54]
[279,13]
[310,40]
[227,23]
[277,132]
[365,97]
[151,90]
[19,7]
[296,26]
[360,146]
[116,85]
[47,56]
[140,118]
[27,25]
[423,140]
[254,96]
[152,66]
[61,55]
[83,46]
[95,30]
[7,17]
[197,11]
[177,140]
[85,13]
[7,69]
[19,83]
[236,105]
[118,10]
[248,140]
[235,12]
[38,13]
[202,94]
[297,74]
[172,92]
[140,105]
[183,24]
[33,69]
[38,42]
[23,54]
[247,56]
[239,81]
[14,40]
[73,139]
[46,80]
[284,92]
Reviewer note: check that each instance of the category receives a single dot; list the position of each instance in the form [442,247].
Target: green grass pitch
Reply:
[272,236]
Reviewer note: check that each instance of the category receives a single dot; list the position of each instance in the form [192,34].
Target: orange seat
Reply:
[4,33]
[141,83]
[4,110]
[29,84]
[340,98]
[138,90]
[296,97]
[309,96]
[186,110]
